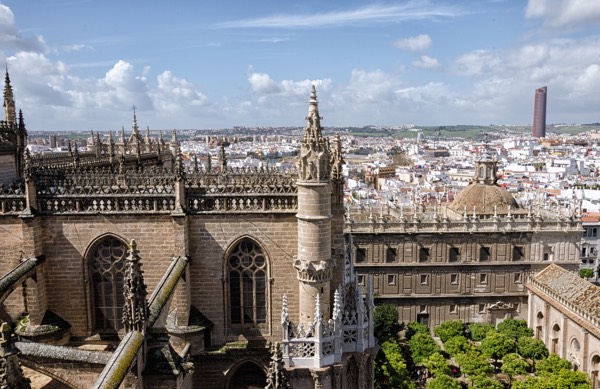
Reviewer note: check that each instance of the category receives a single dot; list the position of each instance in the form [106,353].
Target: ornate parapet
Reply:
[313,272]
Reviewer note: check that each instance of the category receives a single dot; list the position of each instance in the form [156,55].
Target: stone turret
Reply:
[313,263]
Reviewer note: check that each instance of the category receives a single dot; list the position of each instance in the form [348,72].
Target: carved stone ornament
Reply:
[313,272]
[135,310]
[501,305]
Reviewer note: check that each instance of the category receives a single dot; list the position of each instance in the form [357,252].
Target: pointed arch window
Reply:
[107,266]
[247,273]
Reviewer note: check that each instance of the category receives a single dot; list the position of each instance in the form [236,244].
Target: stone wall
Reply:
[8,170]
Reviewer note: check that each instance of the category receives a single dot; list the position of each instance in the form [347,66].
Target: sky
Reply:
[83,64]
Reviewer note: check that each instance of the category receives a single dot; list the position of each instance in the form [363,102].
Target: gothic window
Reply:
[247,271]
[107,274]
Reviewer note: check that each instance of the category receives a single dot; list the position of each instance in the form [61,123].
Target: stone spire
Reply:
[337,159]
[222,158]
[9,101]
[314,150]
[135,310]
[11,374]
[276,374]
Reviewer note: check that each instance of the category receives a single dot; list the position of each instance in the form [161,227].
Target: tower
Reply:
[314,216]
[539,112]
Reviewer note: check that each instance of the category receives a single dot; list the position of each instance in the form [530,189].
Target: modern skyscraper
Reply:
[539,112]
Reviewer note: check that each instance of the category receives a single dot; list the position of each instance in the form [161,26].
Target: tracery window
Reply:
[247,272]
[107,274]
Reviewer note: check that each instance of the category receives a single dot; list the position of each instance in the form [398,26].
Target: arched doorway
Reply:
[248,376]
[107,264]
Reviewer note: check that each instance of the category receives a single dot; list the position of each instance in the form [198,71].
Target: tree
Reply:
[478,331]
[496,345]
[386,322]
[449,329]
[456,345]
[487,383]
[443,382]
[415,327]
[473,364]
[422,346]
[515,328]
[586,273]
[390,367]
[552,364]
[564,379]
[531,348]
[437,365]
[513,365]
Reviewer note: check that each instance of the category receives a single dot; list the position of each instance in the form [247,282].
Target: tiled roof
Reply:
[572,288]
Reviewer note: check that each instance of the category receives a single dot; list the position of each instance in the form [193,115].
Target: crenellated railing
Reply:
[155,190]
[386,219]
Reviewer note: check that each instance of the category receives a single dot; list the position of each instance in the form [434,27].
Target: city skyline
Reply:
[77,65]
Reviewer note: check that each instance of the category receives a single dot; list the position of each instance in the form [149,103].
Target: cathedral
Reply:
[122,267]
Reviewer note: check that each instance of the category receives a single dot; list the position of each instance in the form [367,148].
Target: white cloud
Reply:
[416,43]
[263,84]
[176,95]
[10,37]
[411,10]
[564,13]
[427,62]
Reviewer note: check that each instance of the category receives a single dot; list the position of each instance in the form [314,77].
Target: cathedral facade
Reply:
[466,260]
[180,276]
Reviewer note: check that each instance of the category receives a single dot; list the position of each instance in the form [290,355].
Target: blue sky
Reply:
[82,64]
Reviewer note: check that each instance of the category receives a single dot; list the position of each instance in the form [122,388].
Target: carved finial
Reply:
[179,169]
[337,304]
[222,158]
[123,140]
[337,159]
[318,313]
[285,318]
[196,171]
[276,374]
[174,137]
[135,310]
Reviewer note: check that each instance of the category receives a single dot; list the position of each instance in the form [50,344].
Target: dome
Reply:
[486,198]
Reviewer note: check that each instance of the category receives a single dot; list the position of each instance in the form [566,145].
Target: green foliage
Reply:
[531,348]
[449,329]
[442,382]
[513,365]
[564,379]
[586,273]
[390,367]
[515,328]
[437,365]
[487,383]
[386,322]
[422,346]
[496,345]
[478,331]
[456,345]
[414,328]
[552,364]
[473,364]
